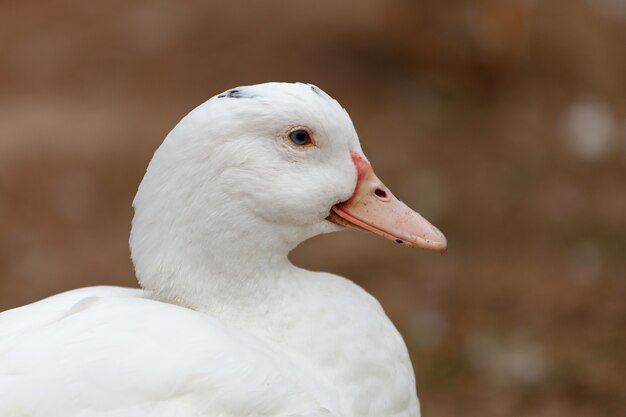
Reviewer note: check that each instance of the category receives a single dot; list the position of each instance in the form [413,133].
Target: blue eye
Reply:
[300,137]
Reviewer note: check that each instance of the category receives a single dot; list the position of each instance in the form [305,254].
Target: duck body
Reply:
[131,355]
[224,324]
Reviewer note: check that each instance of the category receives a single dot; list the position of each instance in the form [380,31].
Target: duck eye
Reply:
[300,137]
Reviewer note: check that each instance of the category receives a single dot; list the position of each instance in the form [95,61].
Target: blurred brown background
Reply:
[503,122]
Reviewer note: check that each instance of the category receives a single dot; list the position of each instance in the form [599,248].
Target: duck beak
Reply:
[374,208]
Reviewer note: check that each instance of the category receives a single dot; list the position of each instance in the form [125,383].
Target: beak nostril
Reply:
[380,193]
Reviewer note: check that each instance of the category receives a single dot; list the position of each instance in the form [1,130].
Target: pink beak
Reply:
[374,208]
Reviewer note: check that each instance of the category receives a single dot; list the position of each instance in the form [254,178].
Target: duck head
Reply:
[255,171]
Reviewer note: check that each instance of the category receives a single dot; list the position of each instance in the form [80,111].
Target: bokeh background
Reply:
[503,122]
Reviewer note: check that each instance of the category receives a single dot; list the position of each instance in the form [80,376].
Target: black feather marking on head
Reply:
[234,93]
[315,90]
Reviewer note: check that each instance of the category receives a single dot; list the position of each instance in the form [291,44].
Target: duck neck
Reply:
[221,267]
[228,284]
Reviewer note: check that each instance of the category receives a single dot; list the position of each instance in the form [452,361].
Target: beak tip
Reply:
[444,244]
[440,246]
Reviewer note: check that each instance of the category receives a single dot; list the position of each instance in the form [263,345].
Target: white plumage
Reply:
[225,325]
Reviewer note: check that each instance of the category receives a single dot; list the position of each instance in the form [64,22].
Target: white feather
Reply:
[225,325]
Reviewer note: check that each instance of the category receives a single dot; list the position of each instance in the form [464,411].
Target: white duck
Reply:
[225,325]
